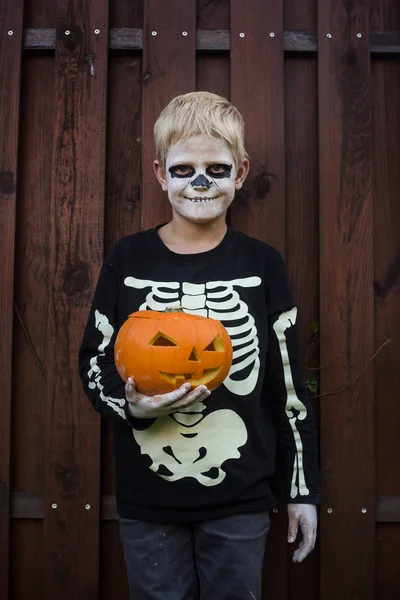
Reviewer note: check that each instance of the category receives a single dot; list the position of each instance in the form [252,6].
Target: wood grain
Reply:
[386,181]
[27,573]
[72,492]
[124,144]
[302,249]
[346,297]
[11,16]
[210,40]
[169,62]
[257,89]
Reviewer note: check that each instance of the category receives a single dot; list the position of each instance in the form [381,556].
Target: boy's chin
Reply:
[204,220]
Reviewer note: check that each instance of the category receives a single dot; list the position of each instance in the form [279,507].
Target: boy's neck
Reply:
[184,237]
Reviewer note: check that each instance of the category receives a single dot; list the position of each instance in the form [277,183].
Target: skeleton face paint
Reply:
[201,178]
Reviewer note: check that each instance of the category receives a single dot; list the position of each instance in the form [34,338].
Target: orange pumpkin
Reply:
[163,350]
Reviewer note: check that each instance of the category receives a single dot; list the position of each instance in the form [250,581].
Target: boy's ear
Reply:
[242,173]
[160,174]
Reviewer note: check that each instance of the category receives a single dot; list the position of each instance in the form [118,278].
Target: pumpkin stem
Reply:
[176,308]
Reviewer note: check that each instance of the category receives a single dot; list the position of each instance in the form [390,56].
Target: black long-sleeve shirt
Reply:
[217,457]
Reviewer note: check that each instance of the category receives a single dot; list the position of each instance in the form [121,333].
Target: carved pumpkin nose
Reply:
[201,181]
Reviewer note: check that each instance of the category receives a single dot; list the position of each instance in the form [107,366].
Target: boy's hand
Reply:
[304,515]
[151,407]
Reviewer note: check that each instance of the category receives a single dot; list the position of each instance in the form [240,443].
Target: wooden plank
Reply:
[126,13]
[31,506]
[347,311]
[388,509]
[387,562]
[122,210]
[32,283]
[113,580]
[169,63]
[257,89]
[386,181]
[213,74]
[128,38]
[300,15]
[11,16]
[71,504]
[212,14]
[302,242]
[27,573]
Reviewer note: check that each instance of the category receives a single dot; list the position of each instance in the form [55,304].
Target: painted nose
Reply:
[201,181]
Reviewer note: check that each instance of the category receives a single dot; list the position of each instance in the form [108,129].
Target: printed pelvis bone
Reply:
[186,444]
[217,300]
[293,403]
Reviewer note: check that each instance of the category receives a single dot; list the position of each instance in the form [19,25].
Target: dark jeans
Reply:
[219,559]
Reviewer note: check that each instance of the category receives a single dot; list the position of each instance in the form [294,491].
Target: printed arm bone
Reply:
[284,322]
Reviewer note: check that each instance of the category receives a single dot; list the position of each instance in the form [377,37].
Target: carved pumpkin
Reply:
[163,350]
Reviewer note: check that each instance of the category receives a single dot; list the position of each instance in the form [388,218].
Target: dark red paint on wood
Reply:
[10,66]
[257,89]
[50,270]
[124,144]
[169,62]
[302,250]
[386,182]
[31,293]
[346,295]
[71,501]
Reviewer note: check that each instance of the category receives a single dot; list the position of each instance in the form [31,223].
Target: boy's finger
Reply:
[171,397]
[130,386]
[292,528]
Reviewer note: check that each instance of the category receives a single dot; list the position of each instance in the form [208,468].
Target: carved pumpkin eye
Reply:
[162,340]
[217,345]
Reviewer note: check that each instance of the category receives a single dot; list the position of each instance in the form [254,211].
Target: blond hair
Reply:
[199,113]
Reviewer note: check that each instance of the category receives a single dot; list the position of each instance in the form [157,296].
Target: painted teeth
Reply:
[199,199]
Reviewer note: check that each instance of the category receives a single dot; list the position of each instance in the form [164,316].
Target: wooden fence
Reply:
[81,83]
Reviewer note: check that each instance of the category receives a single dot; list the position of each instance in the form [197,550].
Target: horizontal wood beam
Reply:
[31,506]
[215,40]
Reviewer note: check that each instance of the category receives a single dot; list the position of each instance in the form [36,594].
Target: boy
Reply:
[194,472]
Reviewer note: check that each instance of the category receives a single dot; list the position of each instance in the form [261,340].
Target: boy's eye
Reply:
[181,171]
[220,170]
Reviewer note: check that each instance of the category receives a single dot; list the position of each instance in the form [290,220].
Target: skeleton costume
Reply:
[217,457]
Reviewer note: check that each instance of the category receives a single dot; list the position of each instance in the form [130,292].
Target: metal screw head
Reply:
[10,32]
[67,32]
[272,34]
[54,505]
[275,510]
[97,31]
[329,35]
[242,34]
[359,35]
[154,33]
[329,511]
[364,510]
[87,506]
[184,33]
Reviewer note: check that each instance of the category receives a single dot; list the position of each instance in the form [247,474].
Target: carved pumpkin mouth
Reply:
[179,378]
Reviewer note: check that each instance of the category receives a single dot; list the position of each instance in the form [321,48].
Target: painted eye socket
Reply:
[182,171]
[217,169]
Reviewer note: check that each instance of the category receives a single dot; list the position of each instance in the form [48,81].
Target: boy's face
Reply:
[200,178]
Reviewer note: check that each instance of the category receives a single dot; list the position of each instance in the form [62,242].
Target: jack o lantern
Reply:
[163,350]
